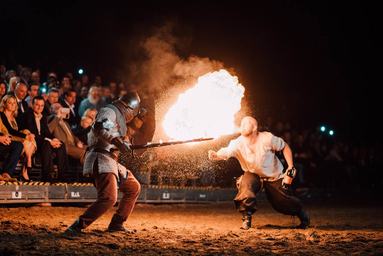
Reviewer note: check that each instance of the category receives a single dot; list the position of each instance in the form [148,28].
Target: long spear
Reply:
[168,143]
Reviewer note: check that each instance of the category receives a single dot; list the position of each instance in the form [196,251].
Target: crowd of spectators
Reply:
[324,160]
[55,115]
[46,117]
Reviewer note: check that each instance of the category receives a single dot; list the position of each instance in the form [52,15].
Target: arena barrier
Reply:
[39,192]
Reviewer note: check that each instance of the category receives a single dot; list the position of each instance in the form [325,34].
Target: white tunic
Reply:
[263,161]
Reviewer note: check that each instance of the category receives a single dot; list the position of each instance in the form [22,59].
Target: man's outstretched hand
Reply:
[213,155]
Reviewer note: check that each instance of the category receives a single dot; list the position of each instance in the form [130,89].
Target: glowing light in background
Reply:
[80,71]
[331,132]
[207,109]
[323,128]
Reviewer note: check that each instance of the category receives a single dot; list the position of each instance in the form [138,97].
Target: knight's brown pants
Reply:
[107,191]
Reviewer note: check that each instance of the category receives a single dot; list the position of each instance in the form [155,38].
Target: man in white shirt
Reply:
[255,152]
[33,91]
[69,102]
[47,144]
[20,93]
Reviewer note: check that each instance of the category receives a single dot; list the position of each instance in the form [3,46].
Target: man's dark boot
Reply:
[246,217]
[116,224]
[75,228]
[305,220]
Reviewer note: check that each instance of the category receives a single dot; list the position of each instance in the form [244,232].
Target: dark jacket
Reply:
[29,122]
[73,119]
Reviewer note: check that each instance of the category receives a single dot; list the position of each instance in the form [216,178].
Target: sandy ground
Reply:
[337,228]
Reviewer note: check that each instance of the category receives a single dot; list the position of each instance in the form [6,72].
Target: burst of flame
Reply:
[207,109]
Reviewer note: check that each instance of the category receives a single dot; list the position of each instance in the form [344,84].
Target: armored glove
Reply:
[123,146]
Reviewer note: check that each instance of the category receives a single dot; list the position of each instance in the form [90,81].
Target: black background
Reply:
[311,62]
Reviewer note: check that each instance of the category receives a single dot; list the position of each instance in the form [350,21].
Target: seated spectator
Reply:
[8,75]
[8,113]
[12,84]
[82,95]
[61,130]
[92,112]
[93,101]
[13,149]
[3,89]
[33,91]
[301,157]
[85,80]
[46,143]
[66,85]
[68,102]
[3,70]
[25,75]
[20,93]
[52,76]
[81,131]
[113,90]
[107,97]
[35,78]
[122,92]
[52,97]
[76,85]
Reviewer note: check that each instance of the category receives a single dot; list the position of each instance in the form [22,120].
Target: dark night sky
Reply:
[313,62]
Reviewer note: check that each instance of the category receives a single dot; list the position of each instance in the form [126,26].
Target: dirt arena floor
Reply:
[337,228]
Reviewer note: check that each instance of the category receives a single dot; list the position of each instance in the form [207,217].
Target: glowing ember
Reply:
[207,109]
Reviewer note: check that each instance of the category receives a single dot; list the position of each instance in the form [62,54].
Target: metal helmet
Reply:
[132,101]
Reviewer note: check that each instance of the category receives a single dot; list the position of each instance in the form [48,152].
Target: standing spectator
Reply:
[93,101]
[69,102]
[46,143]
[3,89]
[61,130]
[33,91]
[8,112]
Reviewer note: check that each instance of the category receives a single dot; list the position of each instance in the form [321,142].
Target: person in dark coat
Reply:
[33,120]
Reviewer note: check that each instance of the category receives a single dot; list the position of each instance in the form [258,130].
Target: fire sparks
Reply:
[207,109]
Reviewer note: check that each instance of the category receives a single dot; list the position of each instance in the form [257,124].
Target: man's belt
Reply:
[105,152]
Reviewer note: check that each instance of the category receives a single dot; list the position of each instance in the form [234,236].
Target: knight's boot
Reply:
[116,224]
[246,218]
[75,228]
[304,218]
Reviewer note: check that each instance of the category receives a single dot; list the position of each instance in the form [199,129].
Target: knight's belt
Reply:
[105,152]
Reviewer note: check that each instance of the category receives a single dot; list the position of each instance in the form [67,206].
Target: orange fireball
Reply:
[207,109]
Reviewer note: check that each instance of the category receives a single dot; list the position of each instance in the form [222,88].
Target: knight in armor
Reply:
[111,133]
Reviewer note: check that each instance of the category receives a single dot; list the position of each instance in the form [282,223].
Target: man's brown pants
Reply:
[107,191]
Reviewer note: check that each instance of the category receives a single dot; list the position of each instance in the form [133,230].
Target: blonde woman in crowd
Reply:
[8,113]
